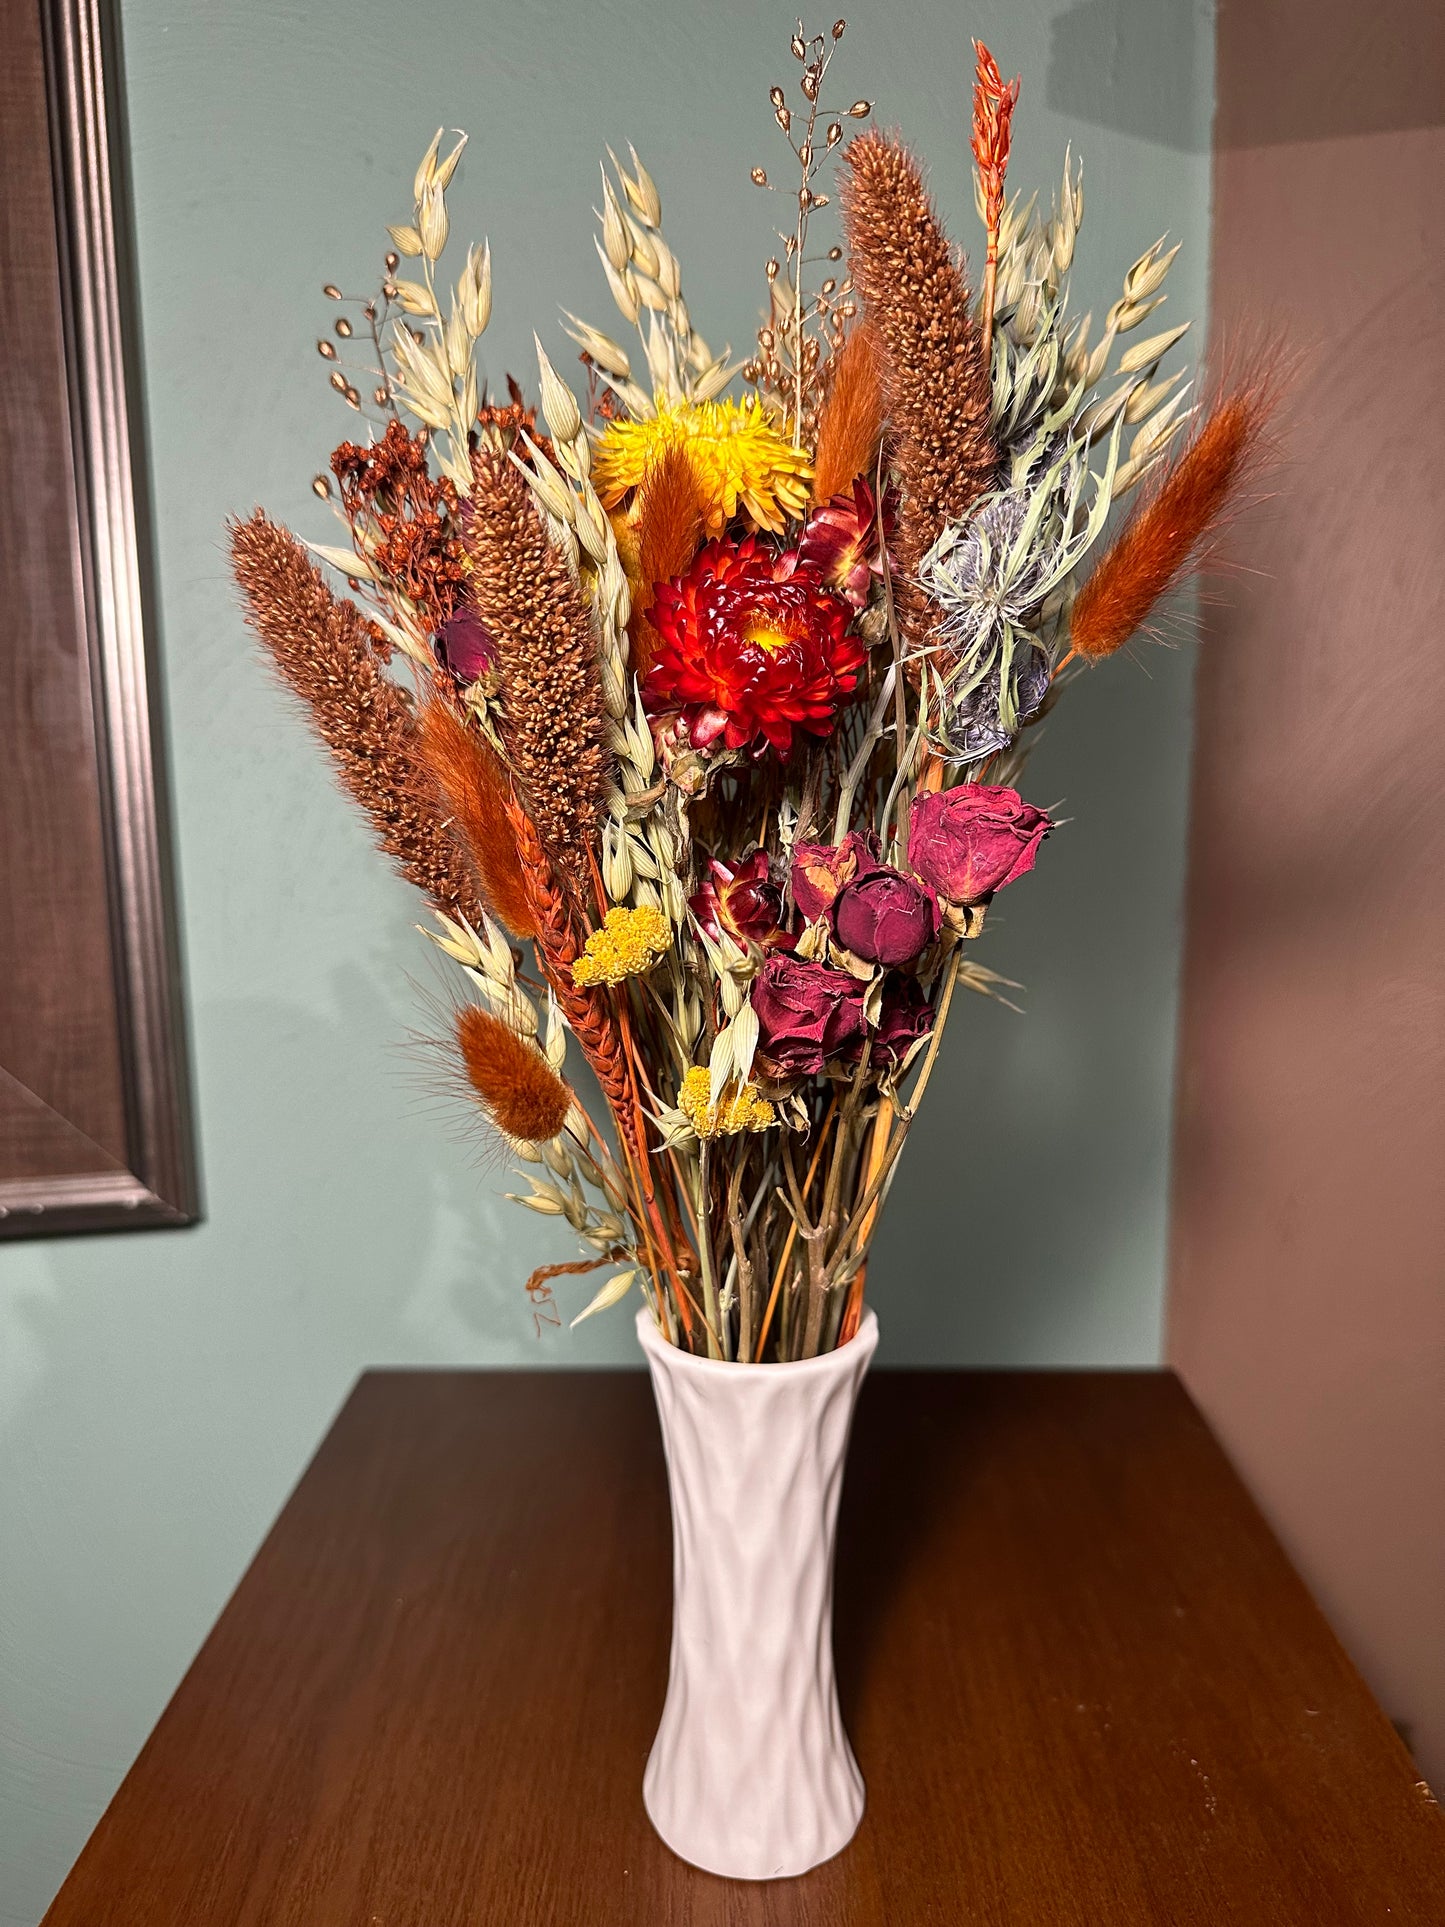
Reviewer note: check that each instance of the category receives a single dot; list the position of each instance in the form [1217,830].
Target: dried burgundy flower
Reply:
[806,1014]
[841,541]
[970,841]
[821,869]
[741,899]
[464,646]
[905,1016]
[885,917]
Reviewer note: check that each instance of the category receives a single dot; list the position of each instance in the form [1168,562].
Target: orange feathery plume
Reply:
[1166,528]
[669,514]
[851,425]
[523,1095]
[993,109]
[469,777]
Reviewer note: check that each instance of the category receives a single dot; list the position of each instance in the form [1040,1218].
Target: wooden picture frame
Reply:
[95,1130]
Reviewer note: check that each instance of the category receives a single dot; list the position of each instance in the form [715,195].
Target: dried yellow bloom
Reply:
[736,1110]
[629,942]
[737,456]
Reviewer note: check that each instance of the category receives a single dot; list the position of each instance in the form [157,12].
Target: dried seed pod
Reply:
[835,132]
[332,292]
[338,381]
[321,485]
[800,51]
[860,110]
[326,350]
[343,328]
[775,95]
[839,28]
[758,176]
[393,262]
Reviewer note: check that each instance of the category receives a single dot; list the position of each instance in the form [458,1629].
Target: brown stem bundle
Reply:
[554,717]
[935,379]
[851,424]
[522,1094]
[322,647]
[1166,529]
[466,773]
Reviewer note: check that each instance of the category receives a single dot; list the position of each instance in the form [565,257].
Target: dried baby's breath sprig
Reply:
[324,649]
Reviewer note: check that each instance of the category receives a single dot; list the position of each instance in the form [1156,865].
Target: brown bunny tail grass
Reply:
[1165,531]
[935,379]
[669,531]
[851,425]
[473,786]
[553,725]
[523,1095]
[322,647]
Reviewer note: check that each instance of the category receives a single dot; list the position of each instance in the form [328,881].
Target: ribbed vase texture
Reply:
[751,1774]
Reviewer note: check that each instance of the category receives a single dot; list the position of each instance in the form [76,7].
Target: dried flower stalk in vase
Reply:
[719,701]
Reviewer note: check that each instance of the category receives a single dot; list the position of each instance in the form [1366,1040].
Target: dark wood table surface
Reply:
[1084,1684]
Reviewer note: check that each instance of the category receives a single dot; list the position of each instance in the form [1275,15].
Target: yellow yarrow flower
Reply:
[736,1110]
[736,454]
[629,942]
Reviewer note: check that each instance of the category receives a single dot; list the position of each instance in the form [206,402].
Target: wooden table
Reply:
[1084,1685]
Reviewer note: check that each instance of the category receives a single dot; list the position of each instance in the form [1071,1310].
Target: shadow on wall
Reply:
[1027,1225]
[1099,49]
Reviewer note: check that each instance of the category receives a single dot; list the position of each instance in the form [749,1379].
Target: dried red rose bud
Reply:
[820,870]
[885,918]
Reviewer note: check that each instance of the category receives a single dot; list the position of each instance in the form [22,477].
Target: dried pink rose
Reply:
[970,841]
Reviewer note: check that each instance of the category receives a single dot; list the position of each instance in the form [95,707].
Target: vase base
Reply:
[734,1860]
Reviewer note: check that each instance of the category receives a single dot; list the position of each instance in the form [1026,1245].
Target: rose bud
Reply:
[464,646]
[821,869]
[806,1014]
[885,917]
[742,900]
[970,841]
[905,1016]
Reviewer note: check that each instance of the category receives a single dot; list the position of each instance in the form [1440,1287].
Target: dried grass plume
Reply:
[851,425]
[523,1095]
[553,721]
[935,379]
[473,787]
[1167,531]
[322,647]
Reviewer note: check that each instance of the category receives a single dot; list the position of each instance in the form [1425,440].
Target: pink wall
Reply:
[1308,1279]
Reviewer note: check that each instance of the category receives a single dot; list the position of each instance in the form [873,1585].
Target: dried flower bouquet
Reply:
[720,704]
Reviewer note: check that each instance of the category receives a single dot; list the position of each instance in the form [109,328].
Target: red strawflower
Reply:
[753,646]
[841,541]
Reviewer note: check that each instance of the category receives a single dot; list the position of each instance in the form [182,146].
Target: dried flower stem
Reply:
[993,106]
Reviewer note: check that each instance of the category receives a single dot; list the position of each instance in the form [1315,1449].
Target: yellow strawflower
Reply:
[737,456]
[736,1110]
[629,942]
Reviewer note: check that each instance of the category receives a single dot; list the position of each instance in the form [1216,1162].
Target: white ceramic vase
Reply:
[751,1774]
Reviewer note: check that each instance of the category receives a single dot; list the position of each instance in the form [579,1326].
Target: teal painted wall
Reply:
[159,1392]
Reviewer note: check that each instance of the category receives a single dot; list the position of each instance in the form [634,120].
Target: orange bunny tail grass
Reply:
[1167,531]
[935,380]
[554,718]
[523,1095]
[465,770]
[323,649]
[851,426]
[670,530]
